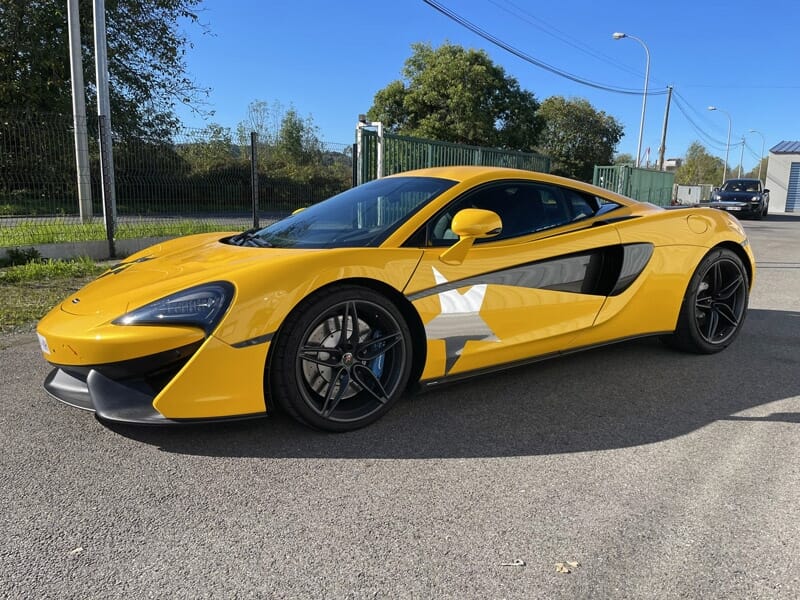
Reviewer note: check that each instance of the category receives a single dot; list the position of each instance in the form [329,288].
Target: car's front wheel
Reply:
[714,306]
[342,359]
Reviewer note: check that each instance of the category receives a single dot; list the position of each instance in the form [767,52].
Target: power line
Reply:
[710,140]
[556,33]
[528,58]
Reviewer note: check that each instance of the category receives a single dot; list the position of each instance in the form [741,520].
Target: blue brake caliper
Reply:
[376,364]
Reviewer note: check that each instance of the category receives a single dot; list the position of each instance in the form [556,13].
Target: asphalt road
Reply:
[661,475]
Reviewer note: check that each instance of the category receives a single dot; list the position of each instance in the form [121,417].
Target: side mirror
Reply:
[766,191]
[469,225]
[476,223]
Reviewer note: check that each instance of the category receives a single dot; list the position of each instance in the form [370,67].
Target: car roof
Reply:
[468,174]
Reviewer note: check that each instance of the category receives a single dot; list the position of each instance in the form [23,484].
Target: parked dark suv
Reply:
[742,197]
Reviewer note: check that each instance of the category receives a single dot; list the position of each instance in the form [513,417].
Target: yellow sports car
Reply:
[418,278]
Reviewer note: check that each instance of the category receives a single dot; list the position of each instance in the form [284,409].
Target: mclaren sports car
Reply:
[334,312]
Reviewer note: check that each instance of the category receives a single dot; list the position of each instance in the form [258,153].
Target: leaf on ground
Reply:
[567,567]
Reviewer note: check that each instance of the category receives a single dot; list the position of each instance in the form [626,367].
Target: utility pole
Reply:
[663,148]
[104,121]
[741,158]
[79,113]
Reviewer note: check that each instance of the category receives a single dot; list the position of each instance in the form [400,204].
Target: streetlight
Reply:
[619,36]
[760,156]
[728,144]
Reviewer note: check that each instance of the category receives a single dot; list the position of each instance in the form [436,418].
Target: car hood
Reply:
[166,268]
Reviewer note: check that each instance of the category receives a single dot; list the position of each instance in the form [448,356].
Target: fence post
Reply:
[355,164]
[254,175]
[107,181]
[81,132]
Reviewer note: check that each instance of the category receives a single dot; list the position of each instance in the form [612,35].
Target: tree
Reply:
[577,137]
[754,172]
[146,49]
[699,167]
[209,149]
[624,159]
[457,95]
[288,144]
[262,118]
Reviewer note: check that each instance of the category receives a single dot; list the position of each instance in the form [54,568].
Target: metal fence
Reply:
[402,153]
[645,185]
[197,180]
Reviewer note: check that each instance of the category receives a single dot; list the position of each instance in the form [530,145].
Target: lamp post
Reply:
[619,36]
[728,143]
[741,159]
[760,156]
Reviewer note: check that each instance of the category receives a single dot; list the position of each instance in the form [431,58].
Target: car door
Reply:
[525,292]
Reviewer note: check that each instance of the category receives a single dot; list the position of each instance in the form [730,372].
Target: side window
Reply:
[523,207]
[556,207]
[582,205]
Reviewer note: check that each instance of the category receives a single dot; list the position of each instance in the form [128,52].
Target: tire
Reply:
[766,210]
[714,306]
[342,359]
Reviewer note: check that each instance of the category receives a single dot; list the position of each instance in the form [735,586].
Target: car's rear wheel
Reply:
[342,359]
[714,306]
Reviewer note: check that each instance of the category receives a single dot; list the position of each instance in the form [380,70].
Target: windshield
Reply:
[361,216]
[740,185]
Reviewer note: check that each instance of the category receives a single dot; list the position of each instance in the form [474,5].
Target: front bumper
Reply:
[209,381]
[737,208]
[108,399]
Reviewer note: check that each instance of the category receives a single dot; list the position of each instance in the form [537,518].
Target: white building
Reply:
[783,177]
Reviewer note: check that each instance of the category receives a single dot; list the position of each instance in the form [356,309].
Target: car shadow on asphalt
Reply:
[618,396]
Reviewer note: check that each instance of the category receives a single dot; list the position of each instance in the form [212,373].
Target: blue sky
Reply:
[329,58]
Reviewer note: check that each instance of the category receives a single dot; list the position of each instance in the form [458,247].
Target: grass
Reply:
[53,232]
[28,291]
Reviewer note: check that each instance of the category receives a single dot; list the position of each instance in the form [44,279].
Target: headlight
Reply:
[755,198]
[202,306]
[717,197]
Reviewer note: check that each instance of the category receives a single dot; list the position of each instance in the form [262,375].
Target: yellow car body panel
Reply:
[85,340]
[203,389]
[517,321]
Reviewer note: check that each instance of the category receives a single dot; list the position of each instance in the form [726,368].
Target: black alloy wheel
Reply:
[343,359]
[715,304]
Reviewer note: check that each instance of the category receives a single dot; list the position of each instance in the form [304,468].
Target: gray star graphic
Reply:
[460,320]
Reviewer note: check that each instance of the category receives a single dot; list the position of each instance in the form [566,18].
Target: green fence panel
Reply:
[403,153]
[644,185]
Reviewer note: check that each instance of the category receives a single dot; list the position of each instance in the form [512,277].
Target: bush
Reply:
[19,256]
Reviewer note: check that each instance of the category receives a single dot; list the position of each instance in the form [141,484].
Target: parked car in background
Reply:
[743,197]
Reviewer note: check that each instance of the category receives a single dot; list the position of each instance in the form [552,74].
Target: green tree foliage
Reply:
[577,137]
[298,141]
[753,173]
[699,167]
[295,169]
[209,149]
[624,159]
[457,95]
[146,49]
[289,145]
